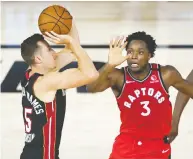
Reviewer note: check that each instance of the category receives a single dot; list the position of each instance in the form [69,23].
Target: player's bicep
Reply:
[180,83]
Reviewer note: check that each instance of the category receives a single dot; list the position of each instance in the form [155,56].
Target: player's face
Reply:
[47,55]
[139,56]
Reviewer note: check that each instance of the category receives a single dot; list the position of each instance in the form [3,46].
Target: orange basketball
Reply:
[55,18]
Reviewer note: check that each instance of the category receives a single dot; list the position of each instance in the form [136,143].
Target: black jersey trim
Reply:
[137,80]
[123,86]
[161,79]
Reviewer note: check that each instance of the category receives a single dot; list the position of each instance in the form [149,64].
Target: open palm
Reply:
[115,53]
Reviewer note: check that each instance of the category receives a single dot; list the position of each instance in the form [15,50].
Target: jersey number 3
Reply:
[27,119]
[145,105]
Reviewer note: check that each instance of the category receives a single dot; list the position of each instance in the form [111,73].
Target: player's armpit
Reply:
[179,83]
[69,78]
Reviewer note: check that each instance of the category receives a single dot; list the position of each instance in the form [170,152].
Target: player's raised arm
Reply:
[107,74]
[66,56]
[84,74]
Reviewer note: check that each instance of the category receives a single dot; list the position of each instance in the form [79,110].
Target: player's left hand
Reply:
[173,134]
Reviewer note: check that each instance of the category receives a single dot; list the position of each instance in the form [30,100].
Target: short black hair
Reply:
[29,46]
[148,39]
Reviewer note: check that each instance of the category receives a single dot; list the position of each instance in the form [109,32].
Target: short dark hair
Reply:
[29,46]
[148,39]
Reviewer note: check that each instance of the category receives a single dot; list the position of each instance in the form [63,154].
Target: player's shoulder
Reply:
[168,68]
[169,71]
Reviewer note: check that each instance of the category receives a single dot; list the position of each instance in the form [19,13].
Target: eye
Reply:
[141,52]
[129,52]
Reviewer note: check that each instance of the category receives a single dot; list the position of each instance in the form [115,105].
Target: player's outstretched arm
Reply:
[115,58]
[180,103]
[84,74]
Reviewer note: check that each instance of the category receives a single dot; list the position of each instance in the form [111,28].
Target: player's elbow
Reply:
[91,89]
[93,76]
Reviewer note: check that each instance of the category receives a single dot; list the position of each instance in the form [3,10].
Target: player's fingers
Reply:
[117,39]
[51,40]
[52,36]
[170,139]
[111,44]
[55,34]
[124,45]
[120,42]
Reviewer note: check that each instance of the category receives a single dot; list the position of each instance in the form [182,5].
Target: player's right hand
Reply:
[58,39]
[115,53]
[74,32]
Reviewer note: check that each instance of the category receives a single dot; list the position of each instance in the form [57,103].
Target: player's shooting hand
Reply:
[115,53]
[173,133]
[74,32]
[58,39]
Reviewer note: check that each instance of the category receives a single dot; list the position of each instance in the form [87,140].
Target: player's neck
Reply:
[40,70]
[142,74]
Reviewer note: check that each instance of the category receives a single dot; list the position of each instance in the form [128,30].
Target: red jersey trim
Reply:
[161,80]
[123,86]
[49,131]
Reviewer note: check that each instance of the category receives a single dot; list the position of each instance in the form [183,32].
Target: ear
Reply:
[37,59]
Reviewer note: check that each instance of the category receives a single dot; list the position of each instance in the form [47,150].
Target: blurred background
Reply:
[92,120]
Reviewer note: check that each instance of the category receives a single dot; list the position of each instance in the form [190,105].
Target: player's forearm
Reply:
[64,57]
[103,77]
[85,64]
[181,101]
[190,80]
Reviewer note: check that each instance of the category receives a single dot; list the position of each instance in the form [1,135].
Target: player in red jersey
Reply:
[141,91]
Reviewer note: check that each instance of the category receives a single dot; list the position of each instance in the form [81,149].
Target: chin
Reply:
[135,70]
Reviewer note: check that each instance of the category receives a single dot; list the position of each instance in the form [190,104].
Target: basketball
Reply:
[55,18]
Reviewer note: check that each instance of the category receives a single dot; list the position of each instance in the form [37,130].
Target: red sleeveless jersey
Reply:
[146,110]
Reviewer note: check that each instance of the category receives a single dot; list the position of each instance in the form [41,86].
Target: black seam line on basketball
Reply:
[58,27]
[58,19]
[46,23]
[50,16]
[63,18]
[62,13]
[66,18]
[63,24]
[57,13]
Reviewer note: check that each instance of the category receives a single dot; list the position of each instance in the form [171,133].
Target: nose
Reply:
[135,55]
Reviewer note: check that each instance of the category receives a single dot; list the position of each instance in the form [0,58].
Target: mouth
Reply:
[134,65]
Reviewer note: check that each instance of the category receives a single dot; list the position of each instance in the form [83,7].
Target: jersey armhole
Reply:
[123,86]
[161,79]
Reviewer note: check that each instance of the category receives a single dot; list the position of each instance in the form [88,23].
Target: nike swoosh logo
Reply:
[164,151]
[130,81]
